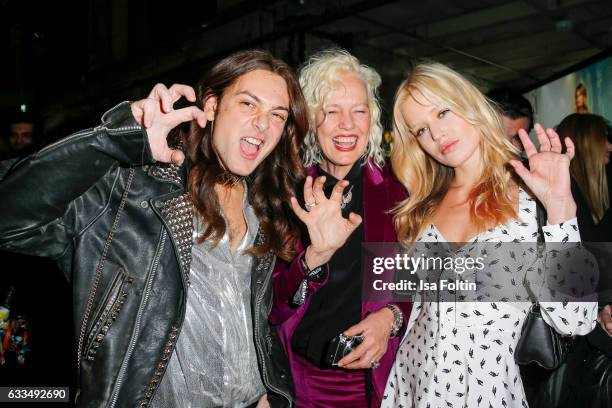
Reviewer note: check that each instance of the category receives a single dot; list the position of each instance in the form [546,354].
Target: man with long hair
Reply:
[171,250]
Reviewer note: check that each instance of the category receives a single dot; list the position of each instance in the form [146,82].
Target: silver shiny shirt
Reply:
[214,363]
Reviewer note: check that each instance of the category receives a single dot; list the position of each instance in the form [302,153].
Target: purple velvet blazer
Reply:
[381,191]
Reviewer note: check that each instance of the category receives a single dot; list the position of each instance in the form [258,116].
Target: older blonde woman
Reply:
[318,296]
[460,171]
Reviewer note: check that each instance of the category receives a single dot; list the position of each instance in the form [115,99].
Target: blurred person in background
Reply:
[40,293]
[591,136]
[516,112]
[23,135]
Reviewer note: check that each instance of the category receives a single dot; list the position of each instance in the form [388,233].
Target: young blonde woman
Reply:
[461,173]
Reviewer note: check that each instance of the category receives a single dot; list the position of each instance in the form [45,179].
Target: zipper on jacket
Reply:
[100,268]
[107,314]
[183,271]
[258,344]
[145,300]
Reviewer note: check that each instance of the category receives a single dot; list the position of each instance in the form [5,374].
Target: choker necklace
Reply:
[228,179]
[346,198]
[225,177]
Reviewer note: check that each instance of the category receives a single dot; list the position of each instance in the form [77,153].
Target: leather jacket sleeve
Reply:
[41,192]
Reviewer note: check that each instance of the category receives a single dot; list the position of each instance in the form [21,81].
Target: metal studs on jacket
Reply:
[170,172]
[178,213]
[160,368]
[114,313]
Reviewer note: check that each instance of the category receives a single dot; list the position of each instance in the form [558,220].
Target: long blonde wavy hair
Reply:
[588,167]
[426,180]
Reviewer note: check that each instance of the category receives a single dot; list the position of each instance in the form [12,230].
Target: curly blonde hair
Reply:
[426,180]
[318,77]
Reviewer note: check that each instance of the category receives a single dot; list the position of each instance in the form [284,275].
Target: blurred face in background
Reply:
[512,127]
[21,135]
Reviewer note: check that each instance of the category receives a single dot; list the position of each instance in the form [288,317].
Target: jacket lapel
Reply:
[176,211]
[375,201]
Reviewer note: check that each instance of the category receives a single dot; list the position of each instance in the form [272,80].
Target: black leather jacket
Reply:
[121,229]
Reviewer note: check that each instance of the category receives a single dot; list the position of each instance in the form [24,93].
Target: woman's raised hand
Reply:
[327,228]
[548,176]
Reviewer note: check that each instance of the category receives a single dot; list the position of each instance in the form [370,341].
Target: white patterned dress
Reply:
[461,354]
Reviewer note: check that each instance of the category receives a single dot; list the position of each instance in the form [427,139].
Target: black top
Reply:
[336,306]
[586,224]
[604,226]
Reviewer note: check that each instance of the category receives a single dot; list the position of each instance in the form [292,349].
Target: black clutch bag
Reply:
[339,347]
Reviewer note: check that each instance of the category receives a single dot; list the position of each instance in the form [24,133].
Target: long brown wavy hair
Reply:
[273,182]
[590,135]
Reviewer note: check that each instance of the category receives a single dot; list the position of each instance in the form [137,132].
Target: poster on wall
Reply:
[587,90]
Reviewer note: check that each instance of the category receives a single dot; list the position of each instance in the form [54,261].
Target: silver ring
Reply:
[310,206]
[375,364]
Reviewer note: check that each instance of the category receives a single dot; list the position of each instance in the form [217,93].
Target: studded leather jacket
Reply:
[121,228]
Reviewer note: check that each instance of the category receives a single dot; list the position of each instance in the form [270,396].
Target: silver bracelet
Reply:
[398,319]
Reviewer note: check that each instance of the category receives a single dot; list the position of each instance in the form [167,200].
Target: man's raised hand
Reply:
[156,114]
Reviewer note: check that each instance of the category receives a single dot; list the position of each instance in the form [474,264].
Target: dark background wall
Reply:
[71,60]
